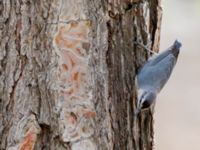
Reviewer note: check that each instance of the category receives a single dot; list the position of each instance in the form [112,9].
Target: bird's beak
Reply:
[137,112]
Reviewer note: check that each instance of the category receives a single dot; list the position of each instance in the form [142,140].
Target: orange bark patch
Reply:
[72,43]
[74,24]
[69,44]
[70,35]
[58,38]
[76,75]
[78,50]
[89,113]
[65,67]
[29,141]
[72,118]
[63,42]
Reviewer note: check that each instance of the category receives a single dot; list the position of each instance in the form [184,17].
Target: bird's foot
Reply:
[139,43]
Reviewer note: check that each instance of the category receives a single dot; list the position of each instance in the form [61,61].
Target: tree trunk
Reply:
[67,70]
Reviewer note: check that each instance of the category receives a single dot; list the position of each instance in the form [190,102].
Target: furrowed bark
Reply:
[67,71]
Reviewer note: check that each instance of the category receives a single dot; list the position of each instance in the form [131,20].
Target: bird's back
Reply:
[174,50]
[156,72]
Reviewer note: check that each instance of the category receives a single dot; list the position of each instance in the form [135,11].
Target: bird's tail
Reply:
[175,48]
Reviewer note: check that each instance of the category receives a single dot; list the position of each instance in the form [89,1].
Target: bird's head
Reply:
[145,99]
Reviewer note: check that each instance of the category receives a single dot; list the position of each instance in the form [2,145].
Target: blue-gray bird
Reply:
[154,74]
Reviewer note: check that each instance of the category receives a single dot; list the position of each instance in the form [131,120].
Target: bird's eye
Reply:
[146,104]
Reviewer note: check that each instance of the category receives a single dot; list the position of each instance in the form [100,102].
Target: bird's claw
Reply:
[138,42]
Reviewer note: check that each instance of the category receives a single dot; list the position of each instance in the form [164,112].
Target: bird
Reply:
[154,74]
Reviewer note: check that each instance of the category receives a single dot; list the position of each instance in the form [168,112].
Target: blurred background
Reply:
[177,112]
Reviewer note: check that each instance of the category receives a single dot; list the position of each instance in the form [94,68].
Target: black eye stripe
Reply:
[146,104]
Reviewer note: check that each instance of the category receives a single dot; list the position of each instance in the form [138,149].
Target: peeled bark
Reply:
[67,70]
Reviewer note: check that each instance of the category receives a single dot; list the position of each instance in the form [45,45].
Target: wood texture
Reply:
[67,72]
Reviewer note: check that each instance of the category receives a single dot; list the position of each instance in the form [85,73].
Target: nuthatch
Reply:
[154,74]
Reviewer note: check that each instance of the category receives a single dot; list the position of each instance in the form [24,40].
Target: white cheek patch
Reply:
[141,95]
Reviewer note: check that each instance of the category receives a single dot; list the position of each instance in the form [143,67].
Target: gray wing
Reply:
[174,50]
[155,76]
[157,58]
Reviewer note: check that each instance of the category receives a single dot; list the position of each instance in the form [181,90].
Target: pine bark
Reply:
[67,73]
